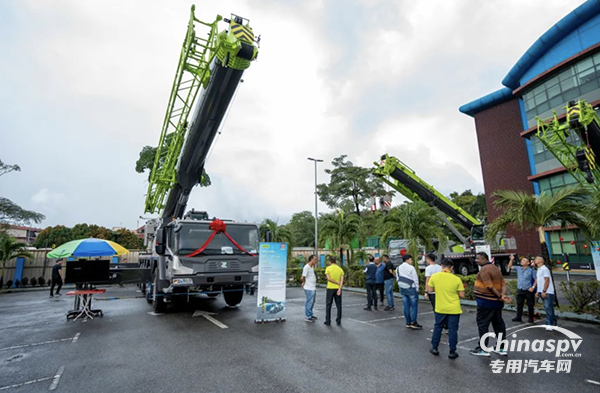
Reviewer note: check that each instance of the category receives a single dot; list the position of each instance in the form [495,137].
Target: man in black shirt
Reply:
[56,279]
[388,280]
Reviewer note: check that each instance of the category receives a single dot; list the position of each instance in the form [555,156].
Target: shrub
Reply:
[33,281]
[469,284]
[17,284]
[9,283]
[41,281]
[25,281]
[511,288]
[581,294]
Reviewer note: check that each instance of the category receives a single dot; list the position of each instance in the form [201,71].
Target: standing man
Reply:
[408,281]
[490,290]
[545,291]
[335,282]
[388,282]
[371,283]
[379,278]
[430,270]
[309,284]
[526,282]
[449,289]
[56,278]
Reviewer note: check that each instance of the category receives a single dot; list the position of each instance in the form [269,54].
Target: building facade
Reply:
[562,65]
[23,234]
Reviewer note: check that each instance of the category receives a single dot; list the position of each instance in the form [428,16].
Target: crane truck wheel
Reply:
[463,269]
[233,295]
[158,301]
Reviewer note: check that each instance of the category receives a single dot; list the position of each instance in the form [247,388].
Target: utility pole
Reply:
[316,160]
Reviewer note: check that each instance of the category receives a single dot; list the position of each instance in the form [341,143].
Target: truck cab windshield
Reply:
[192,237]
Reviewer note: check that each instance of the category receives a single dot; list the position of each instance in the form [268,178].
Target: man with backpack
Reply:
[408,281]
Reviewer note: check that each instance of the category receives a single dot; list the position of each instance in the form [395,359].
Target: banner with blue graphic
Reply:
[596,257]
[272,265]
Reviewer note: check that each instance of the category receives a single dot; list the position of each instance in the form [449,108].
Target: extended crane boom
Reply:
[575,142]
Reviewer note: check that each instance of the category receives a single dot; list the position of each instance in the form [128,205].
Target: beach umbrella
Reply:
[90,247]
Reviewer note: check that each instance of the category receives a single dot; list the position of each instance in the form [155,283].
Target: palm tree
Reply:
[593,215]
[279,233]
[339,229]
[568,206]
[9,249]
[418,223]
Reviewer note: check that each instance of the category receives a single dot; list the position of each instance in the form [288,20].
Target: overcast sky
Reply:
[84,86]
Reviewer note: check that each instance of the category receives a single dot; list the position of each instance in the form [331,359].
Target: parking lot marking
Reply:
[508,329]
[56,378]
[26,326]
[208,316]
[592,382]
[76,337]
[18,385]
[397,317]
[36,344]
[446,343]
[366,323]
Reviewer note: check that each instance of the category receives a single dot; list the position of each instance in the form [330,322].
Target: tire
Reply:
[148,291]
[158,302]
[504,267]
[233,295]
[463,269]
[213,295]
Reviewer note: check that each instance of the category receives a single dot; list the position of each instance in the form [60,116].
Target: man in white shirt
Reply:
[309,284]
[408,281]
[430,270]
[545,291]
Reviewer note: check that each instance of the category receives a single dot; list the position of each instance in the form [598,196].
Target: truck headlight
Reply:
[255,278]
[183,281]
[254,269]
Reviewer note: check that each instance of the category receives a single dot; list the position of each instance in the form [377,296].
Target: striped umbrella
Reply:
[90,247]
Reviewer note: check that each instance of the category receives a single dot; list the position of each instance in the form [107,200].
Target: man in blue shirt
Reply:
[371,281]
[526,283]
[379,278]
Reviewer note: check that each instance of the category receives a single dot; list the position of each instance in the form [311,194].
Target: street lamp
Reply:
[316,210]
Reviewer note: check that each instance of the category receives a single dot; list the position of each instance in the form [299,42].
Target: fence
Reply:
[40,266]
[302,254]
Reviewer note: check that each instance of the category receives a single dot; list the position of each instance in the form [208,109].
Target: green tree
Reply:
[568,206]
[127,239]
[100,232]
[350,187]
[9,249]
[146,162]
[10,212]
[472,204]
[53,236]
[302,229]
[339,229]
[81,231]
[419,224]
[279,233]
[593,215]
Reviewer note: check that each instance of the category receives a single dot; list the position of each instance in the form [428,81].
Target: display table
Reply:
[83,298]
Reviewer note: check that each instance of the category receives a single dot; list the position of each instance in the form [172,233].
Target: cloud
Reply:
[89,86]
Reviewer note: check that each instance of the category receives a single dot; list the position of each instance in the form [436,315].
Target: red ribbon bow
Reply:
[218,226]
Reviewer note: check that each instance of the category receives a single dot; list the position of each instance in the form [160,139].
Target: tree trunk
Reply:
[341,256]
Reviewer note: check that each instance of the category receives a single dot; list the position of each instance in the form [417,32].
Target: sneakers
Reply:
[51,295]
[532,321]
[549,328]
[501,352]
[479,352]
[386,308]
[434,351]
[339,323]
[314,318]
[367,309]
[309,320]
[445,331]
[375,308]
[517,320]
[58,294]
[327,323]
[415,326]
[452,355]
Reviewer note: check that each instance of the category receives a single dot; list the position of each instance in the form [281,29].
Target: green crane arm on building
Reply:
[575,142]
[404,180]
[234,48]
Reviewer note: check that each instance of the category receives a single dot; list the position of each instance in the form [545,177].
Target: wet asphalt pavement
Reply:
[132,350]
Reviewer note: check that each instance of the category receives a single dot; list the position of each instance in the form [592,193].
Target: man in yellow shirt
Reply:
[335,282]
[448,291]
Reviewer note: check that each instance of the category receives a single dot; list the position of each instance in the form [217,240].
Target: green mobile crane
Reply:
[404,180]
[575,142]
[193,254]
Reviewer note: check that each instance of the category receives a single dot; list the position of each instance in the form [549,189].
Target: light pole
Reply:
[316,160]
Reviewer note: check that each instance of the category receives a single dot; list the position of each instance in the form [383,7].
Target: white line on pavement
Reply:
[592,382]
[36,344]
[366,323]
[208,316]
[18,385]
[154,313]
[397,317]
[76,337]
[56,378]
[447,343]
[508,329]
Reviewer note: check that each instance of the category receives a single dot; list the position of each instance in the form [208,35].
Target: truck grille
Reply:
[216,266]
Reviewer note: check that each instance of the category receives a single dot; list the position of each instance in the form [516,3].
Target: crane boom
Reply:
[405,181]
[210,66]
[575,142]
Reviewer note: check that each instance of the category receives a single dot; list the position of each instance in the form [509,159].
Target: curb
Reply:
[570,316]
